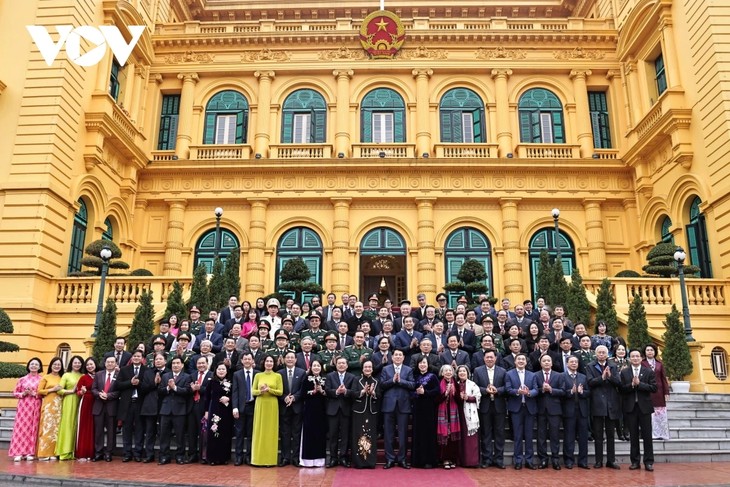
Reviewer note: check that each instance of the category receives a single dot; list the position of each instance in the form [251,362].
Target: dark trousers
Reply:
[523,424]
[576,426]
[601,424]
[149,426]
[193,425]
[548,426]
[390,420]
[339,431]
[244,429]
[168,424]
[104,425]
[290,431]
[640,424]
[492,431]
[133,431]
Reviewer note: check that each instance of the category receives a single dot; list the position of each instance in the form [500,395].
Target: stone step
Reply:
[682,405]
[715,414]
[685,433]
[699,397]
[675,422]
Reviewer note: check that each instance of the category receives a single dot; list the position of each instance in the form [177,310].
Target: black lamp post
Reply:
[218,215]
[105,254]
[679,256]
[556,217]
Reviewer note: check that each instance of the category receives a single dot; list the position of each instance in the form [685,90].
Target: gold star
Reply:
[382,24]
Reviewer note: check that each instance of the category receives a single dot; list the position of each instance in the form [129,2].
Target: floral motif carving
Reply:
[422,52]
[501,53]
[265,55]
[578,53]
[189,57]
[342,53]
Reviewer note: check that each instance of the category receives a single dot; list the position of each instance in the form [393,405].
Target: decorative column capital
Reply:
[341,201]
[188,77]
[260,202]
[501,73]
[265,75]
[580,74]
[422,73]
[180,203]
[343,73]
[613,73]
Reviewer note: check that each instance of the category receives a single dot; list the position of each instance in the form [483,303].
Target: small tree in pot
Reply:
[676,356]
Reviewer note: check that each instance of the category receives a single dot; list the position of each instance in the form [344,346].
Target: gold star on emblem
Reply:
[382,24]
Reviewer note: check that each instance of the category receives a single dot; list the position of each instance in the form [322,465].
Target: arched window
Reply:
[382,117]
[718,356]
[667,236]
[462,244]
[109,231]
[382,241]
[304,118]
[462,117]
[206,247]
[541,117]
[63,351]
[545,239]
[300,242]
[226,118]
[383,268]
[697,242]
[78,238]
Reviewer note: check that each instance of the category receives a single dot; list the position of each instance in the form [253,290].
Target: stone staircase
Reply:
[699,427]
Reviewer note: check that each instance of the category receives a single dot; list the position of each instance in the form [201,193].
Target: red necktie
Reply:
[547,377]
[306,360]
[108,382]
[196,396]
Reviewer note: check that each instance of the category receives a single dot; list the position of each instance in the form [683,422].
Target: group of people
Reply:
[293,383]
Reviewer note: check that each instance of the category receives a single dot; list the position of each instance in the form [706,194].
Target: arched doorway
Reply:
[383,265]
[546,239]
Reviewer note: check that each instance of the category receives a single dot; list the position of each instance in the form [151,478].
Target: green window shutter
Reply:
[287,131]
[525,126]
[366,127]
[535,127]
[209,131]
[446,132]
[558,128]
[240,127]
[399,129]
[313,127]
[477,116]
[457,132]
[320,133]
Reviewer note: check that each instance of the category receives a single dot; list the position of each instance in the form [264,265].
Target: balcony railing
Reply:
[383,150]
[665,292]
[76,291]
[467,151]
[220,152]
[548,151]
[301,151]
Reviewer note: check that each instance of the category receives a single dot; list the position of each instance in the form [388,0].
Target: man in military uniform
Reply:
[585,354]
[488,325]
[264,343]
[356,354]
[287,323]
[196,324]
[281,346]
[182,351]
[330,353]
[158,345]
[314,331]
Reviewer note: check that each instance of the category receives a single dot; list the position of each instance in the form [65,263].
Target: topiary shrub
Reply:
[94,261]
[676,356]
[628,273]
[141,272]
[662,263]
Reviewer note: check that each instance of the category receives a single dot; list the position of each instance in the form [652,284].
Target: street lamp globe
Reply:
[556,213]
[680,255]
[219,212]
[105,253]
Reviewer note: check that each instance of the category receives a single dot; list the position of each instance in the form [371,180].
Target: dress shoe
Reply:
[137,459]
[530,466]
[584,467]
[518,466]
[499,465]
[649,467]
[556,465]
[180,460]
[295,462]
[542,465]
[238,462]
[98,458]
[569,467]
[484,465]
[598,465]
[107,458]
[403,464]
[613,465]
[388,465]
[148,460]
[284,463]
[247,460]
[126,459]
[333,463]
[345,463]
[192,459]
[163,461]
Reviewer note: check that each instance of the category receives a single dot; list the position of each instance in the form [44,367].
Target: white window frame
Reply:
[467,127]
[301,128]
[225,129]
[383,127]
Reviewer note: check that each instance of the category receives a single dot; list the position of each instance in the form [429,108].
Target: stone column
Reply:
[583,114]
[140,73]
[634,94]
[504,127]
[669,51]
[426,245]
[174,242]
[184,126]
[512,269]
[151,108]
[423,136]
[262,137]
[255,269]
[621,114]
[342,115]
[340,245]
[597,266]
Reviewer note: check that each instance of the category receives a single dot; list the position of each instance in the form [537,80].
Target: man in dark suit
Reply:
[129,383]
[453,355]
[229,356]
[307,355]
[603,379]
[549,412]
[151,403]
[492,410]
[244,403]
[576,415]
[521,385]
[637,384]
[563,354]
[119,354]
[199,381]
[175,391]
[434,361]
[237,318]
[227,312]
[407,339]
[438,338]
[327,309]
[343,339]
[106,396]
[419,312]
[216,339]
[513,349]
[397,382]
[465,337]
[339,388]
[290,410]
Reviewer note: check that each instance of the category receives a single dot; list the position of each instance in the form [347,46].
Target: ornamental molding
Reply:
[422,52]
[579,53]
[265,55]
[342,53]
[500,53]
[189,57]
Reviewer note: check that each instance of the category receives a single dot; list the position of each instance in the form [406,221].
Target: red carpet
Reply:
[397,476]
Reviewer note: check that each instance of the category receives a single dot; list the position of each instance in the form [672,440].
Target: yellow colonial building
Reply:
[383,147]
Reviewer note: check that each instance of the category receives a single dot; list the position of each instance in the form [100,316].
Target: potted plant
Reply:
[676,355]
